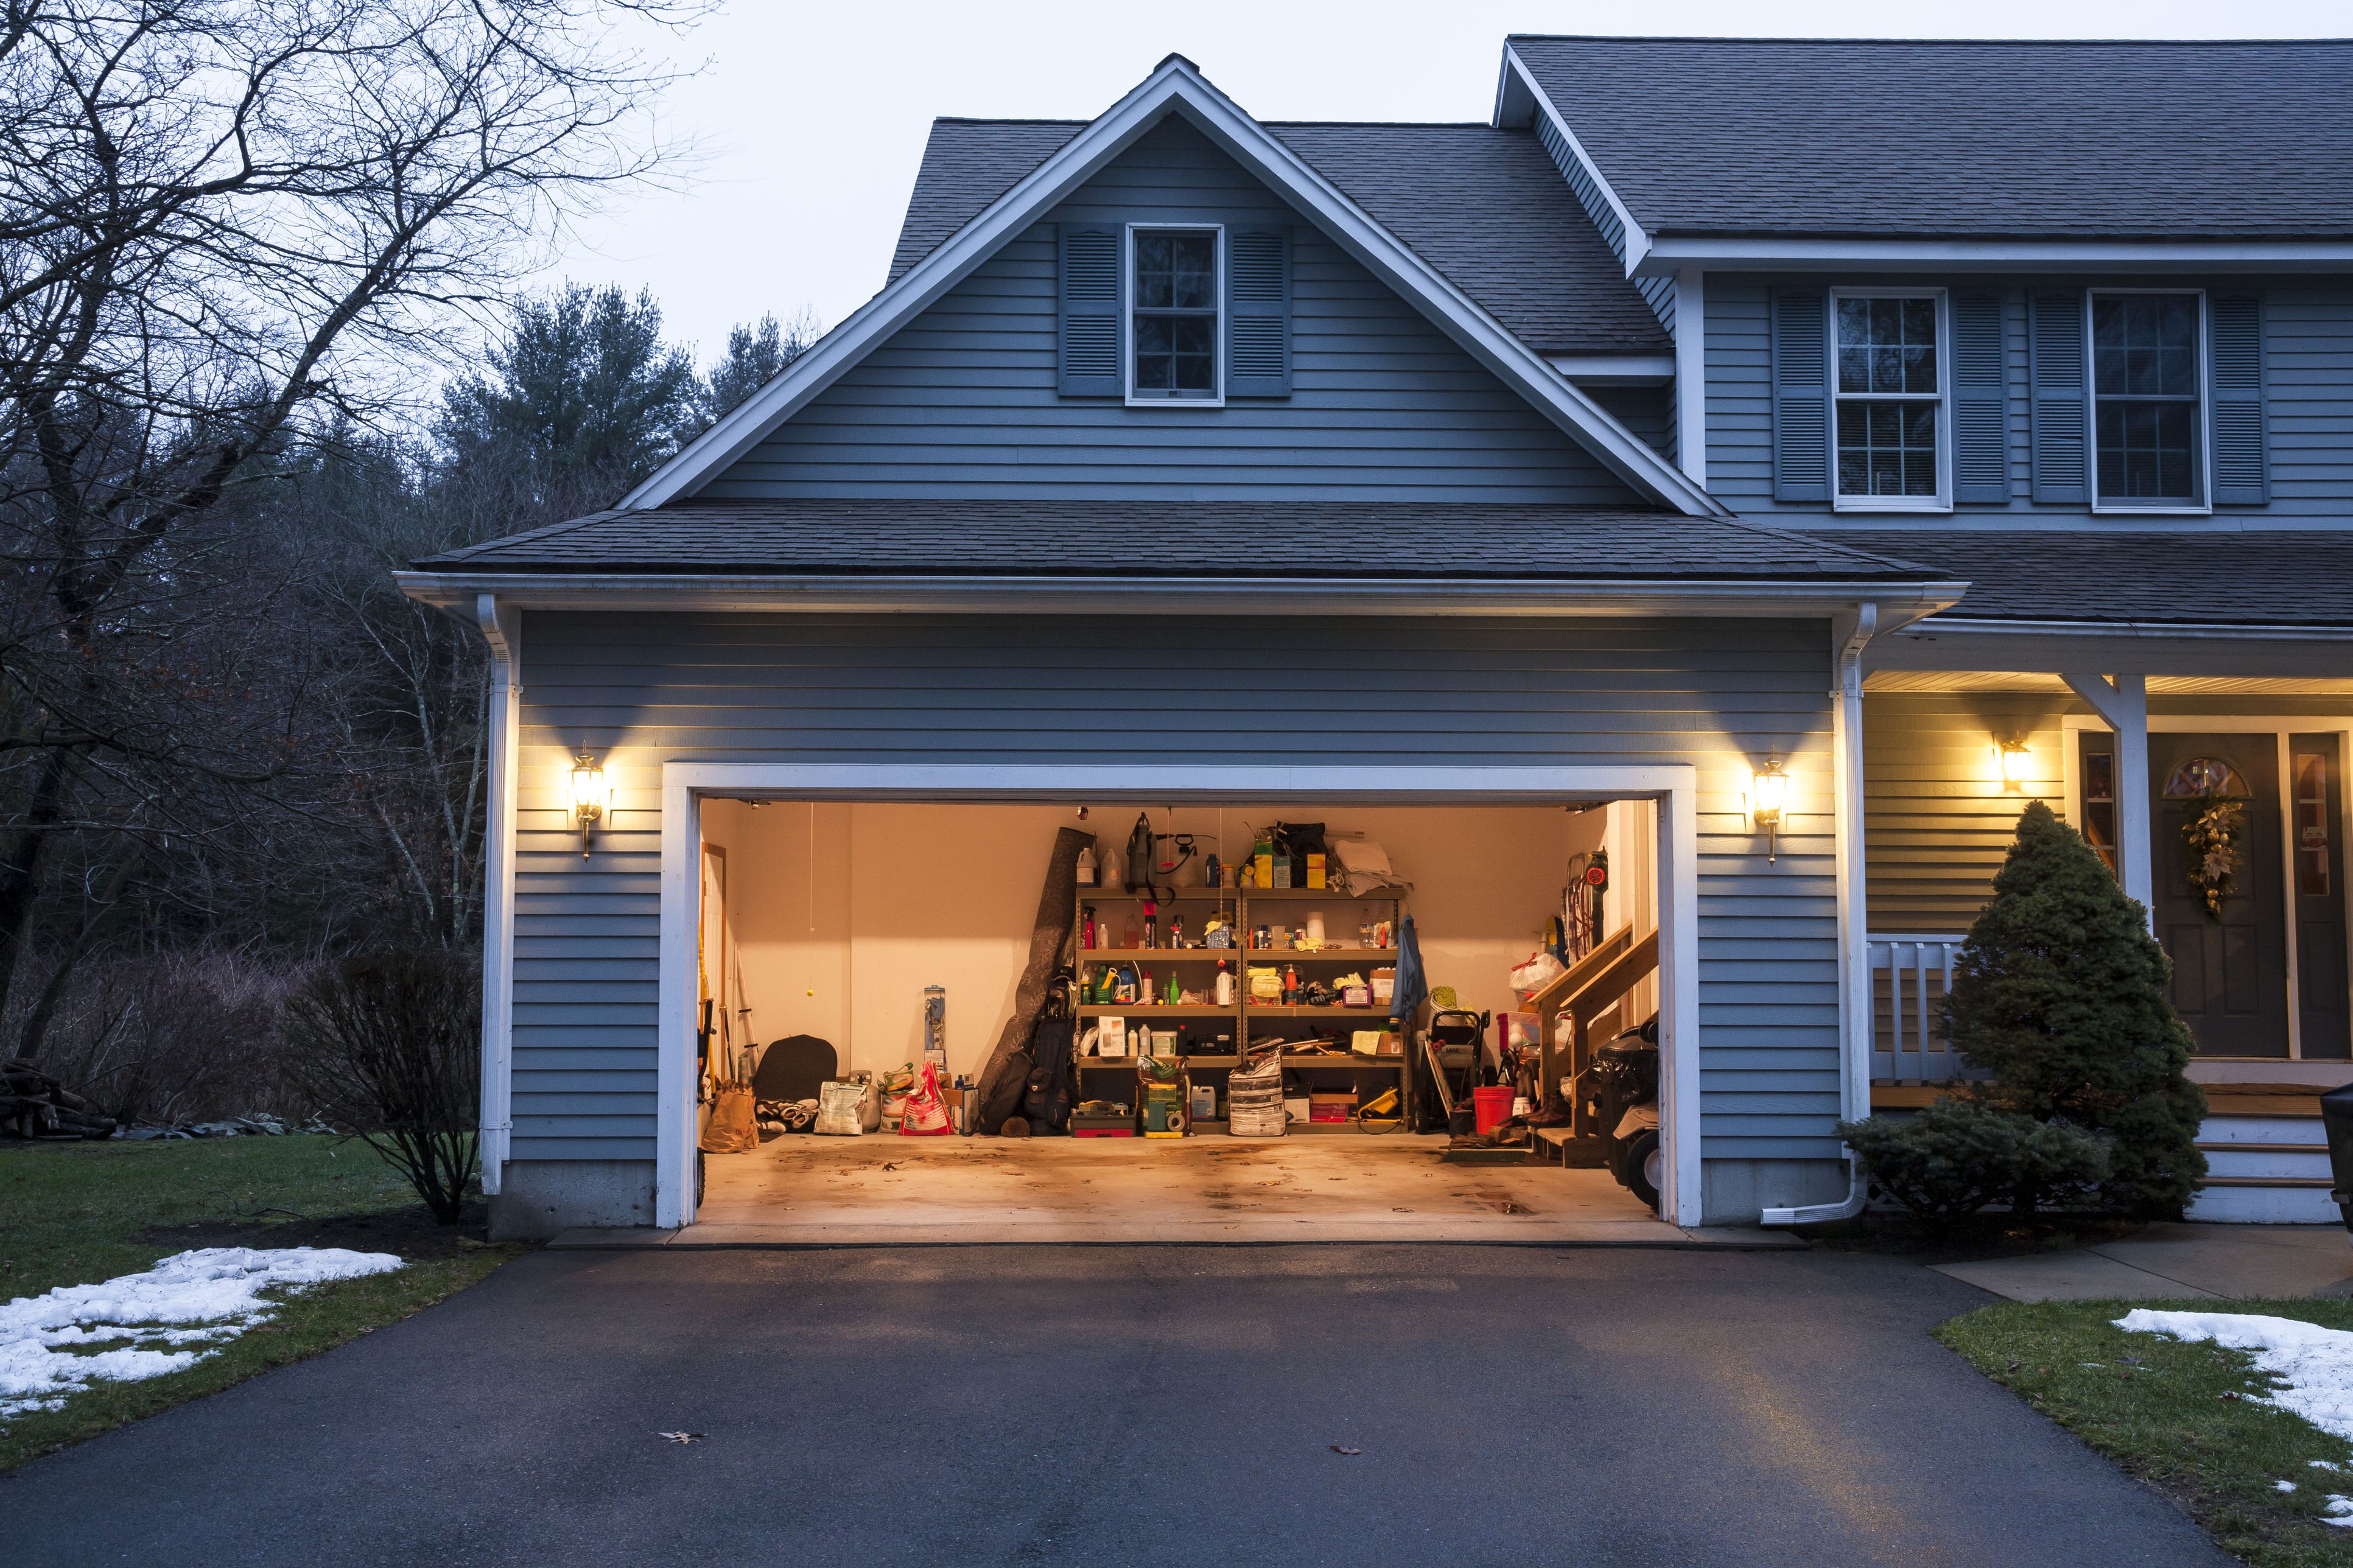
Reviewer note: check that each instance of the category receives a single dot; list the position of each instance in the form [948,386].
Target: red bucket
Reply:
[1493,1106]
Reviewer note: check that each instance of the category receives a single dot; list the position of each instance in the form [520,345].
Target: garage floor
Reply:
[884,1190]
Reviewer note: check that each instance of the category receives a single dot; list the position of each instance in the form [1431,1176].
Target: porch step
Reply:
[2265,1161]
[2249,1201]
[2293,1132]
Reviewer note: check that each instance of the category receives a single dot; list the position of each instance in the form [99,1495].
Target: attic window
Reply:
[1173,325]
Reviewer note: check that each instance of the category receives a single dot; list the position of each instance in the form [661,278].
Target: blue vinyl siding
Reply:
[2308,372]
[644,688]
[962,402]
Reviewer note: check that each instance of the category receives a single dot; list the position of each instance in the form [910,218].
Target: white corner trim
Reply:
[1177,86]
[502,628]
[1691,373]
[1636,240]
[1673,785]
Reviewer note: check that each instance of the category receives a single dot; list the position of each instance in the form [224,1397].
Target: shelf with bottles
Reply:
[1159,895]
[1152,1010]
[1256,1009]
[1330,895]
[1340,954]
[1175,955]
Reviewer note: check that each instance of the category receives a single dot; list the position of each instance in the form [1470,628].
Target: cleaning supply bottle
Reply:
[1225,985]
[1289,984]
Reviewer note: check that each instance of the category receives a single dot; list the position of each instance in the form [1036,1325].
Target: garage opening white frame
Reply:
[685,784]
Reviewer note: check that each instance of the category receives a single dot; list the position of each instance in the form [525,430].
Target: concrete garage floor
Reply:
[799,1190]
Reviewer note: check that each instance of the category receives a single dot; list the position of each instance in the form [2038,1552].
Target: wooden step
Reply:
[2264,1148]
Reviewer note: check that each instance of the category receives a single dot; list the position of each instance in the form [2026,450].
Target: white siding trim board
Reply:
[1675,786]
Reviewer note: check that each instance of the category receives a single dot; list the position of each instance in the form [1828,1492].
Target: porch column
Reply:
[2125,707]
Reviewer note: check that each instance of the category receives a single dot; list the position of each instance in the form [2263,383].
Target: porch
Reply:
[2260,955]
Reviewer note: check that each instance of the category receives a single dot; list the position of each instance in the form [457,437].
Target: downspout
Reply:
[1853,929]
[502,630]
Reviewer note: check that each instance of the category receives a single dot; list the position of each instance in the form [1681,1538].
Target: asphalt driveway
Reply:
[1512,1405]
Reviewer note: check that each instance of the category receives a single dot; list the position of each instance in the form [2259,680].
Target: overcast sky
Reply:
[811,116]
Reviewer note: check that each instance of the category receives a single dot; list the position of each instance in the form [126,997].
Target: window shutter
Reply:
[1801,395]
[1089,327]
[2242,474]
[1980,401]
[2060,466]
[1258,313]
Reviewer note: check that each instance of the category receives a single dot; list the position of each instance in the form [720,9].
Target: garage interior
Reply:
[865,940]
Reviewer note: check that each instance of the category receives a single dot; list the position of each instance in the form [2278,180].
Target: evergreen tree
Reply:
[2059,995]
[756,354]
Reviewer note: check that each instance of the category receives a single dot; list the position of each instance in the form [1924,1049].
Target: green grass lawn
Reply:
[78,1213]
[2162,1408]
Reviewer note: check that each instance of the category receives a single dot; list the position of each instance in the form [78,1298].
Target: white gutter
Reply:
[1853,925]
[2213,631]
[1288,598]
[501,628]
[1667,254]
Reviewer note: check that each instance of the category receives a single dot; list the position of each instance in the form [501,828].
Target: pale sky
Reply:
[812,117]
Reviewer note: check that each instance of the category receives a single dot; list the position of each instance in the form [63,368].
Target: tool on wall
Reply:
[935,1027]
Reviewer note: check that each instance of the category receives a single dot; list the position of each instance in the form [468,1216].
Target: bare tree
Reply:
[225,224]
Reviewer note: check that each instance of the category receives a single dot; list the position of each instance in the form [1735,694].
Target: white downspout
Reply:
[502,629]
[1853,927]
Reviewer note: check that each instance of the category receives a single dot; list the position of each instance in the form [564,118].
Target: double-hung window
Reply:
[1888,392]
[2145,447]
[1173,327]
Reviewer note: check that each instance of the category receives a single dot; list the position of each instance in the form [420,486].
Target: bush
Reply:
[388,1045]
[2059,994]
[171,1036]
[1956,1156]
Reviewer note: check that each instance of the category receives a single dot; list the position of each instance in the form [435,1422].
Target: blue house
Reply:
[1815,449]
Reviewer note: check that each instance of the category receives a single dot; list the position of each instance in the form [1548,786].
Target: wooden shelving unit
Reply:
[1244,1013]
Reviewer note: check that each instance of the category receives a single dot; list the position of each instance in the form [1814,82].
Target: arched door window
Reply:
[2205,776]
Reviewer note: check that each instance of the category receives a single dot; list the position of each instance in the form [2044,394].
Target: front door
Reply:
[2220,909]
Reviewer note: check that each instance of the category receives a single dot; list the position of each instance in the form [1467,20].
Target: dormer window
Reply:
[1888,388]
[1174,325]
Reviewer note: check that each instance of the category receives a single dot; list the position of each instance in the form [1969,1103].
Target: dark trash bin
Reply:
[2337,1118]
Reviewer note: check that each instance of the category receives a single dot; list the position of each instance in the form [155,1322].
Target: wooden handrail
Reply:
[1590,987]
[1568,981]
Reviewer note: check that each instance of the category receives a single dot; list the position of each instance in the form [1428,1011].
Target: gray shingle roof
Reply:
[1486,207]
[1723,136]
[1303,540]
[2273,578]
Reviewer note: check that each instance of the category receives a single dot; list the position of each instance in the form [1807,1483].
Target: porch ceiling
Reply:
[2026,682]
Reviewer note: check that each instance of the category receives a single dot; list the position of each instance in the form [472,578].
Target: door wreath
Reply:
[2212,835]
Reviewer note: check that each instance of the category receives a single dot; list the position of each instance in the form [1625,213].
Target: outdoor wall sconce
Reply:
[592,797]
[1769,793]
[2014,758]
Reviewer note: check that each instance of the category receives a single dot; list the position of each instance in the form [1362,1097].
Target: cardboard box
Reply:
[1332,1106]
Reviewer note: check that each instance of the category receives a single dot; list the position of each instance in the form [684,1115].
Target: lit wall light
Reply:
[2015,758]
[592,797]
[1769,794]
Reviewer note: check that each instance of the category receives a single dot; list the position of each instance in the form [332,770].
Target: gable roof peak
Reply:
[1177,87]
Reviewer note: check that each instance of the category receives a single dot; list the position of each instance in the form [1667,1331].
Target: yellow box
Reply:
[1315,871]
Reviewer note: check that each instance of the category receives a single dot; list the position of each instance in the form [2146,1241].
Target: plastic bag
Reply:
[840,1110]
[730,1129]
[925,1113]
[1540,971]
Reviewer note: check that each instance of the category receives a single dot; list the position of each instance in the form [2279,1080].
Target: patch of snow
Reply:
[2312,1366]
[2338,1510]
[171,1316]
[2283,1485]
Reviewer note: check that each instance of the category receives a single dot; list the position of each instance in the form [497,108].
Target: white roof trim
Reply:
[1177,86]
[1669,253]
[794,593]
[1617,369]
[1638,241]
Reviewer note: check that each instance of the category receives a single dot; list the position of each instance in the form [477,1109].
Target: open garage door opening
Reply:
[1207,1020]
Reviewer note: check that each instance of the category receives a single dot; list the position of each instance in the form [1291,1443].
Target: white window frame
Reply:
[1943,499]
[1128,315]
[2199,505]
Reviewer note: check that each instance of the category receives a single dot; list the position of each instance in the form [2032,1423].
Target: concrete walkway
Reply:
[891,1191]
[2274,1260]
